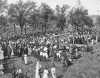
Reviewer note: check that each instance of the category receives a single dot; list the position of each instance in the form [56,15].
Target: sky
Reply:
[93,6]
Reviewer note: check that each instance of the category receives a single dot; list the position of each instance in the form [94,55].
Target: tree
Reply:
[19,13]
[97,20]
[34,20]
[61,16]
[3,24]
[3,21]
[46,14]
[3,13]
[3,17]
[80,20]
[3,6]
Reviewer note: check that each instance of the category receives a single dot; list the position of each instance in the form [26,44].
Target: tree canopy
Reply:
[80,20]
[19,13]
[61,16]
[44,17]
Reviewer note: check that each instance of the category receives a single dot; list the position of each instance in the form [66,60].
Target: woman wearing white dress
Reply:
[53,71]
[1,58]
[25,55]
[10,45]
[38,66]
[45,73]
[29,50]
[1,53]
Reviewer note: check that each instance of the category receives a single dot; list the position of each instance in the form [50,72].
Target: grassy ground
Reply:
[86,67]
[30,68]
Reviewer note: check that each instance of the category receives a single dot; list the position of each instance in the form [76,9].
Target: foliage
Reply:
[80,20]
[19,12]
[3,17]
[42,18]
[3,20]
[3,6]
[46,13]
[61,16]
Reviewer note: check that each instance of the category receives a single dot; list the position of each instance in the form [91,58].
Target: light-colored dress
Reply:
[53,72]
[1,54]
[1,67]
[45,73]
[37,70]
[1,58]
[25,59]
[29,51]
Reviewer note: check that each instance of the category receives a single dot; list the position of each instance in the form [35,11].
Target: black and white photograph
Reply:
[49,38]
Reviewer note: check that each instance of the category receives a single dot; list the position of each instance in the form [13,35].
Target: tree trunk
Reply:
[25,30]
[15,29]
[21,31]
[96,38]
[45,28]
[62,28]
[42,28]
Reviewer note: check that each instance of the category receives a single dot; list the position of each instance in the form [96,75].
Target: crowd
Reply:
[43,48]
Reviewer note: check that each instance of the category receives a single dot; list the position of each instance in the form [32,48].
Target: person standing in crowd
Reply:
[1,59]
[29,50]
[25,54]
[21,50]
[9,50]
[11,46]
[5,53]
[4,48]
[48,46]
[38,66]
[41,72]
[45,72]
[1,53]
[53,70]
[15,49]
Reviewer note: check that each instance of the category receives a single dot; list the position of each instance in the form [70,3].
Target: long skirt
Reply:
[45,74]
[53,72]
[12,53]
[37,70]
[25,59]
[1,69]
